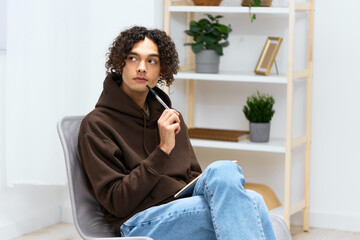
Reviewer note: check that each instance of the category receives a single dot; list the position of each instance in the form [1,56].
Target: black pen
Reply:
[157,97]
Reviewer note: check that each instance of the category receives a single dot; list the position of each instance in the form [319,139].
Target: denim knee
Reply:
[224,165]
[255,195]
[227,172]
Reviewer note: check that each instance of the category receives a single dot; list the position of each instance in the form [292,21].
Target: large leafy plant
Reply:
[209,34]
[259,108]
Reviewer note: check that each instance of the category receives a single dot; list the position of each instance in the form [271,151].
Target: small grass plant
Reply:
[259,108]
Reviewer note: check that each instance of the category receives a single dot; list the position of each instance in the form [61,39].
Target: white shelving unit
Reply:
[283,146]
[233,77]
[230,9]
[275,145]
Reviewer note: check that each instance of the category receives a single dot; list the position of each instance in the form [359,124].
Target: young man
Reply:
[137,155]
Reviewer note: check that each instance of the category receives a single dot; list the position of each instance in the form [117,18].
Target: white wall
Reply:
[2,25]
[335,157]
[336,154]
[25,208]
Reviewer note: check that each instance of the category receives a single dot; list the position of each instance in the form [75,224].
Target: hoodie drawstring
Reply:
[144,134]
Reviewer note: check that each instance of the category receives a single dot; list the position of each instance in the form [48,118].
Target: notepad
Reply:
[188,189]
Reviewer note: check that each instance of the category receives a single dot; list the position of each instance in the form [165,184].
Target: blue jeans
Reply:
[220,208]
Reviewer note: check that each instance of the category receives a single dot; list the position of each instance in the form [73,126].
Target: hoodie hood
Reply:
[112,97]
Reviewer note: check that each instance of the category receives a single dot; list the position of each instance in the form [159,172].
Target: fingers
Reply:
[170,119]
[169,113]
[169,126]
[175,127]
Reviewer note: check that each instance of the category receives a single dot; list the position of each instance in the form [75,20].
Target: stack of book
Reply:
[218,134]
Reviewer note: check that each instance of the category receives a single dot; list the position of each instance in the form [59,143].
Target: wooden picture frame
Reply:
[268,55]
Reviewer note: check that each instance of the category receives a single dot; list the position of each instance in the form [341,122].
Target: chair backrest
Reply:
[88,218]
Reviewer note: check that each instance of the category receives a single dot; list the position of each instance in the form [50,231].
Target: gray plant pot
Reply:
[207,61]
[259,132]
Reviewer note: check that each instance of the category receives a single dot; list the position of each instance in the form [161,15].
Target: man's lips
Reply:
[140,79]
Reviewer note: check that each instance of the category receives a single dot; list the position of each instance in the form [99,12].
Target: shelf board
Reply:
[233,77]
[294,208]
[229,9]
[275,145]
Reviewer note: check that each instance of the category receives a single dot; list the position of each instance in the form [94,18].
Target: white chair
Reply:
[88,218]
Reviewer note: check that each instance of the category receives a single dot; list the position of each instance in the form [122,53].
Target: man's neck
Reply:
[136,93]
[139,98]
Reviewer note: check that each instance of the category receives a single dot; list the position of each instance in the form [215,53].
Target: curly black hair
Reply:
[122,45]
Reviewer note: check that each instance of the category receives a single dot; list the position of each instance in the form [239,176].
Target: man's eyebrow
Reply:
[150,55]
[154,55]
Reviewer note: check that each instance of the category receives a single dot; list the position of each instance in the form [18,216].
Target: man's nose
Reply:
[141,67]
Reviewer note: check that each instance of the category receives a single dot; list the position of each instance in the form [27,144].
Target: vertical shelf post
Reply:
[190,110]
[167,30]
[190,82]
[308,115]
[289,113]
[167,17]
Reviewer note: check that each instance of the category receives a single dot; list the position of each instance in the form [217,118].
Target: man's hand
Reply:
[169,126]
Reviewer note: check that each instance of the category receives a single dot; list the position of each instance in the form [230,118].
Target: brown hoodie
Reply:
[118,147]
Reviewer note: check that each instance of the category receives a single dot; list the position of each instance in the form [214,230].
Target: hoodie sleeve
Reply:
[119,190]
[195,169]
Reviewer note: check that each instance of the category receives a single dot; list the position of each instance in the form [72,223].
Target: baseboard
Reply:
[330,221]
[30,222]
[335,221]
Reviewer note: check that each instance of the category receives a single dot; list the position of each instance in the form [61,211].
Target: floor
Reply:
[66,231]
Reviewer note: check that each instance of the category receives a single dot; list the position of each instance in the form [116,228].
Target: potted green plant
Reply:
[210,37]
[259,111]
